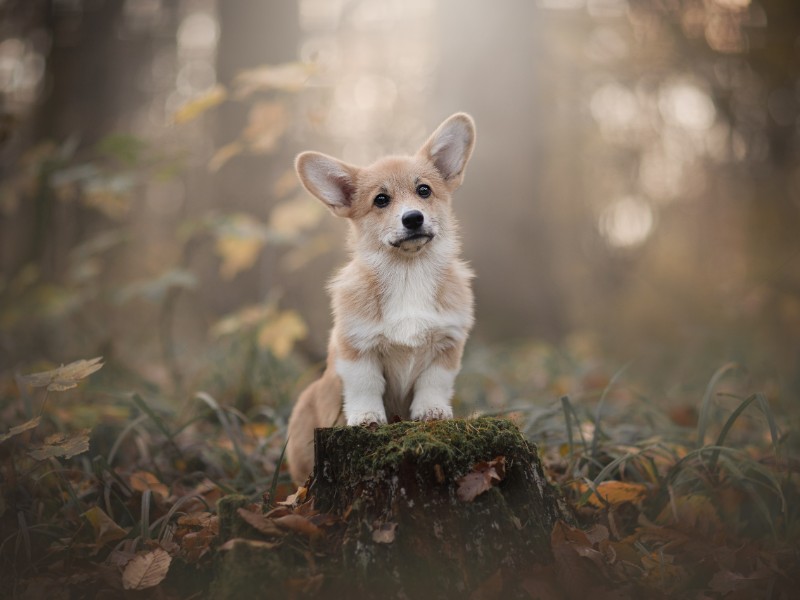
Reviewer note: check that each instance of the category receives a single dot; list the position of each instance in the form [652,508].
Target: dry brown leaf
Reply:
[105,529]
[141,481]
[298,524]
[146,570]
[384,533]
[15,431]
[64,377]
[62,444]
[482,477]
[296,498]
[256,544]
[260,522]
[197,544]
[613,493]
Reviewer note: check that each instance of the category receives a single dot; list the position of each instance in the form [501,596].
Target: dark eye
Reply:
[381,201]
[423,190]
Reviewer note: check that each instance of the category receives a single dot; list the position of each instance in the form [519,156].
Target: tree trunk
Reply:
[426,510]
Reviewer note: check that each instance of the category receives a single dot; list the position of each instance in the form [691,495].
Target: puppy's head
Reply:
[399,203]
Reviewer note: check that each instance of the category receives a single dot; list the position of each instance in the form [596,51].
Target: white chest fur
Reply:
[410,317]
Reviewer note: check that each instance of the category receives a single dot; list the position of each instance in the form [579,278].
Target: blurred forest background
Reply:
[634,194]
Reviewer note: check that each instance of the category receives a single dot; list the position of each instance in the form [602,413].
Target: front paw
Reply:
[431,413]
[366,418]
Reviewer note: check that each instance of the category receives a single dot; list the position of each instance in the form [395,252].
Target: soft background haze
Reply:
[634,195]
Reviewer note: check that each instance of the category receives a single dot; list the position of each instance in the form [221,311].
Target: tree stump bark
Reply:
[429,510]
[434,509]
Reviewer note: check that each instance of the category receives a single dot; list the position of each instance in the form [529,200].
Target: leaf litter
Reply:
[665,522]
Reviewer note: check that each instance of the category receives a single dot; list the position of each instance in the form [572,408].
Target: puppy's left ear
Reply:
[450,147]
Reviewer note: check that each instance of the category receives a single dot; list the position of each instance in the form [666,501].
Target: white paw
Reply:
[366,418]
[431,413]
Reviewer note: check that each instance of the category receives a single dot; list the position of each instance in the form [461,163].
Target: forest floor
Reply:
[108,493]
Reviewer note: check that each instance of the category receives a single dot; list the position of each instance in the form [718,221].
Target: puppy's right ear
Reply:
[329,179]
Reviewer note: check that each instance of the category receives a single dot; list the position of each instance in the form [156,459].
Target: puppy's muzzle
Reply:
[413,221]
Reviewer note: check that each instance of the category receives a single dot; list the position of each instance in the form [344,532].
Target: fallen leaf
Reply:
[298,524]
[105,529]
[384,533]
[260,522]
[482,477]
[64,377]
[146,570]
[296,498]
[252,543]
[197,106]
[143,480]
[197,544]
[62,444]
[614,493]
[15,431]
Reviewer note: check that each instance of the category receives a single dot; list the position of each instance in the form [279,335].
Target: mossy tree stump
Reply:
[430,510]
[414,528]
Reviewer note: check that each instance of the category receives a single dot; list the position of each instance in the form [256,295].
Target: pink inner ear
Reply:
[346,189]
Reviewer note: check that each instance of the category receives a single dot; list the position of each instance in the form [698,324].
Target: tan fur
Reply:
[402,306]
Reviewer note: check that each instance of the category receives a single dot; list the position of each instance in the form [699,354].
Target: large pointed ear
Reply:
[329,179]
[450,147]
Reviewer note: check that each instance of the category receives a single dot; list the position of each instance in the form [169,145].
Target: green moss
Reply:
[231,524]
[455,445]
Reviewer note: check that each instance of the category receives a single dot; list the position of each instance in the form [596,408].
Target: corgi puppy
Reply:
[403,305]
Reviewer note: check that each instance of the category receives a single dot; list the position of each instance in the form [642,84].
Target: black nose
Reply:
[413,219]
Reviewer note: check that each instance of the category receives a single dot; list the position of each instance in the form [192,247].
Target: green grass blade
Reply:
[727,427]
[274,485]
[144,525]
[244,463]
[601,403]
[763,403]
[705,405]
[158,421]
[567,418]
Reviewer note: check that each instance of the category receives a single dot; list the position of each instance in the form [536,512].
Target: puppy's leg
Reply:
[300,435]
[434,387]
[363,381]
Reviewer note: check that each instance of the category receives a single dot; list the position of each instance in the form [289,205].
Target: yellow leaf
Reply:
[280,333]
[239,240]
[243,319]
[615,493]
[224,154]
[64,377]
[266,124]
[105,529]
[291,218]
[237,255]
[197,106]
[146,570]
